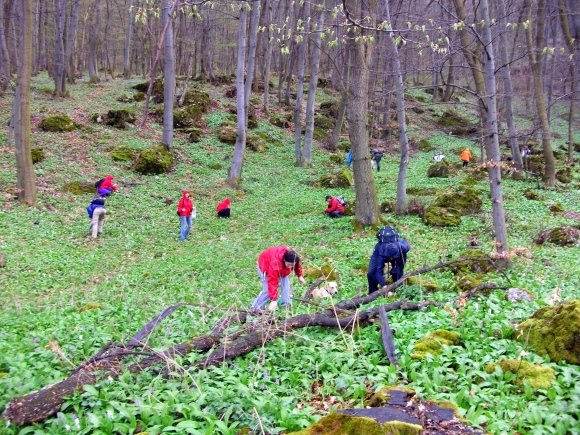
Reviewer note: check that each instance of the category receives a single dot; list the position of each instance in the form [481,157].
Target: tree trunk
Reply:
[401,206]
[59,54]
[367,209]
[493,152]
[267,56]
[92,44]
[206,46]
[535,56]
[252,42]
[71,35]
[235,171]
[302,50]
[26,178]
[450,80]
[306,160]
[128,40]
[5,73]
[508,90]
[169,74]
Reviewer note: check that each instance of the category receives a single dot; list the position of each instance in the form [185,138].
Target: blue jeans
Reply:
[263,297]
[185,226]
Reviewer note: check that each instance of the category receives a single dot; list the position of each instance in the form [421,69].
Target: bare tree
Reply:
[267,54]
[360,52]
[235,171]
[252,42]
[5,72]
[59,54]
[128,40]
[26,179]
[302,50]
[169,74]
[92,43]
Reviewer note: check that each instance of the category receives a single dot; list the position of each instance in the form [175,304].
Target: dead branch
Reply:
[387,336]
[315,284]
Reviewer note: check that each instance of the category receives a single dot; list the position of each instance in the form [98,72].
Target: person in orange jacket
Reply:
[465,156]
[223,208]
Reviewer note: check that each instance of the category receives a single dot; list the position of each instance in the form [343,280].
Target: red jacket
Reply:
[223,205]
[185,205]
[271,262]
[108,183]
[334,205]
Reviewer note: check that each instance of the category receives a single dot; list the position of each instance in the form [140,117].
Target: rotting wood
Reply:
[387,336]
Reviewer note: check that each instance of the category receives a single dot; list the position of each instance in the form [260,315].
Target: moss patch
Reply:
[90,306]
[57,123]
[439,170]
[281,120]
[425,283]
[455,123]
[227,134]
[153,161]
[37,155]
[342,178]
[464,199]
[255,143]
[554,331]
[441,217]
[473,261]
[123,154]
[341,424]
[433,343]
[561,236]
[425,146]
[79,187]
[157,87]
[533,195]
[536,375]
[326,271]
[323,122]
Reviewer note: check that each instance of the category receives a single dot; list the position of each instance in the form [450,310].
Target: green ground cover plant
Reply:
[65,296]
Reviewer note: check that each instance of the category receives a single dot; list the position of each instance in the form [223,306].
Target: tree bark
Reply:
[360,52]
[26,178]
[302,49]
[535,57]
[387,336]
[92,44]
[507,88]
[128,40]
[59,54]
[5,72]
[71,35]
[493,152]
[252,42]
[267,56]
[169,74]
[306,154]
[235,171]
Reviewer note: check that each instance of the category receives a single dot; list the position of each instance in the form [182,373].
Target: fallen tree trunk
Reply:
[387,336]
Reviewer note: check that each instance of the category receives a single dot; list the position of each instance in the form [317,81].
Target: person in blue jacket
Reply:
[391,249]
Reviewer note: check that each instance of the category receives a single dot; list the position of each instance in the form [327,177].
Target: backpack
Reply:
[387,235]
[342,200]
[98,183]
[91,209]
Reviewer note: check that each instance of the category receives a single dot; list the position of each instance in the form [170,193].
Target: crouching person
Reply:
[274,267]
[392,249]
[335,208]
[96,211]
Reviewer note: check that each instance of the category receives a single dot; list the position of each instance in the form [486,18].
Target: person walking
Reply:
[335,209]
[466,156]
[96,211]
[376,157]
[185,209]
[392,249]
[223,208]
[274,267]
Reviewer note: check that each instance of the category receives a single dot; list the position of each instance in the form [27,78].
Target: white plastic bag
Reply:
[193,213]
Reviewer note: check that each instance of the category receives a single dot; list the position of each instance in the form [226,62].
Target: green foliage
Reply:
[57,123]
[154,161]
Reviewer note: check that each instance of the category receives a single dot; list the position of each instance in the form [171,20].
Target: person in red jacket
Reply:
[274,267]
[223,208]
[335,208]
[184,209]
[106,187]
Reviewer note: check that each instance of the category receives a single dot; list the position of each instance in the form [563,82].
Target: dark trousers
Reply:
[465,163]
[373,283]
[336,214]
[225,213]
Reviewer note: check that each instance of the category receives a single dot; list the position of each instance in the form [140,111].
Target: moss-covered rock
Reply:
[89,307]
[281,119]
[561,236]
[556,207]
[157,88]
[441,217]
[57,123]
[464,199]
[197,97]
[455,123]
[386,394]
[433,343]
[425,146]
[473,261]
[439,170]
[341,424]
[535,164]
[425,283]
[124,98]
[323,122]
[216,166]
[423,191]
[193,134]
[326,271]
[37,155]
[341,178]
[227,134]
[337,158]
[79,187]
[533,195]
[467,282]
[536,375]
[139,96]
[115,118]
[554,332]
[269,139]
[564,175]
[123,154]
[153,161]
[330,109]
[255,143]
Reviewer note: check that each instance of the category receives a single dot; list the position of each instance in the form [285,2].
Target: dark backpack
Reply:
[98,183]
[342,200]
[387,235]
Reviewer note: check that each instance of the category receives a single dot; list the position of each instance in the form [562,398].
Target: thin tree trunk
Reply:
[267,56]
[332,140]
[535,56]
[252,42]
[493,152]
[26,179]
[71,35]
[169,75]
[235,171]
[128,40]
[450,81]
[59,54]
[401,206]
[508,90]
[5,73]
[314,68]
[302,50]
[92,44]
[367,209]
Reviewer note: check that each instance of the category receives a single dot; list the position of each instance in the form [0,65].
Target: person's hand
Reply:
[273,306]
[302,280]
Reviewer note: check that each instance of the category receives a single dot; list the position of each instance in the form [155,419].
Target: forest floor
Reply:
[64,296]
